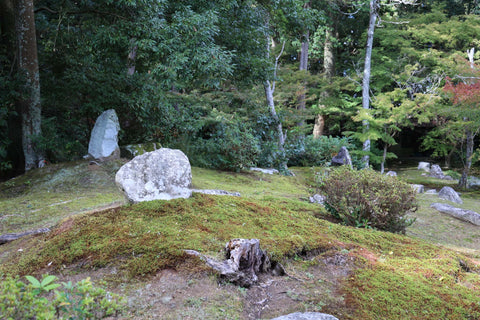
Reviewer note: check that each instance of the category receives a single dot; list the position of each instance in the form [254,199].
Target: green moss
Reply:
[396,277]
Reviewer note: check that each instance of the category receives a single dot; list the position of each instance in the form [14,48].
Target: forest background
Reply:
[232,83]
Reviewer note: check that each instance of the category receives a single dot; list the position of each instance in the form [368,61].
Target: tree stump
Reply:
[244,261]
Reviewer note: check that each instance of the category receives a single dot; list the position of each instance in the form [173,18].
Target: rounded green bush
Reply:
[366,198]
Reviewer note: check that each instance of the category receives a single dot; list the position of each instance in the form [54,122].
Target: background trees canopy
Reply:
[191,75]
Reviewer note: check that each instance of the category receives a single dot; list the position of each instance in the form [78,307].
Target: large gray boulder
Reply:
[104,137]
[436,172]
[447,193]
[342,158]
[306,316]
[462,214]
[163,174]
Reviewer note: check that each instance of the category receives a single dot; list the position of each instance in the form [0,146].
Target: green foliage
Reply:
[310,151]
[365,198]
[75,301]
[223,144]
[44,286]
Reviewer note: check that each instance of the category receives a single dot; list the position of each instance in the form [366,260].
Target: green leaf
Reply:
[47,280]
[35,283]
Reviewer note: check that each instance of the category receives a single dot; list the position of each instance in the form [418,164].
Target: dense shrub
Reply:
[310,151]
[81,300]
[222,144]
[366,198]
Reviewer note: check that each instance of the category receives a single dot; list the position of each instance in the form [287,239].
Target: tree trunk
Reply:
[366,73]
[269,89]
[28,67]
[468,160]
[303,66]
[384,158]
[329,73]
[448,158]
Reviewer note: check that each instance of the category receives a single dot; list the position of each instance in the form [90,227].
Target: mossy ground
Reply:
[352,273]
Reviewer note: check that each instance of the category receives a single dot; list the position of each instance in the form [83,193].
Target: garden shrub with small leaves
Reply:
[366,198]
[40,300]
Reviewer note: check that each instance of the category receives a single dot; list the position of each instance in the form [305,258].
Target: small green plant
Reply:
[368,199]
[75,301]
[45,285]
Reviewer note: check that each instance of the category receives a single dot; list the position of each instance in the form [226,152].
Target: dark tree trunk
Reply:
[468,160]
[366,72]
[27,60]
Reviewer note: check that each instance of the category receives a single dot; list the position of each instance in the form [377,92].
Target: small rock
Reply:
[425,166]
[317,198]
[447,193]
[166,299]
[473,182]
[431,191]
[266,171]
[306,316]
[217,192]
[391,173]
[418,187]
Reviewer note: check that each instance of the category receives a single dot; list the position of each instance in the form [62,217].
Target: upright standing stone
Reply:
[104,138]
[342,158]
[163,174]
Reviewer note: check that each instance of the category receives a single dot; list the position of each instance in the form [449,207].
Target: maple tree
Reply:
[464,94]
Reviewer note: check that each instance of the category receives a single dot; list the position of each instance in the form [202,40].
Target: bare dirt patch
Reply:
[313,284]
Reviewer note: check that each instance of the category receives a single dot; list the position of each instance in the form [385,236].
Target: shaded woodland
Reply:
[240,83]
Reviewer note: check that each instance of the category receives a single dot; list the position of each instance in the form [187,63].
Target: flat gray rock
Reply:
[462,214]
[266,171]
[217,192]
[306,316]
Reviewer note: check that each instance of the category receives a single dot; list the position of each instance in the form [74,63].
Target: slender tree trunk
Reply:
[303,66]
[468,159]
[366,73]
[384,158]
[28,66]
[469,135]
[269,88]
[329,73]
[131,58]
[448,158]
